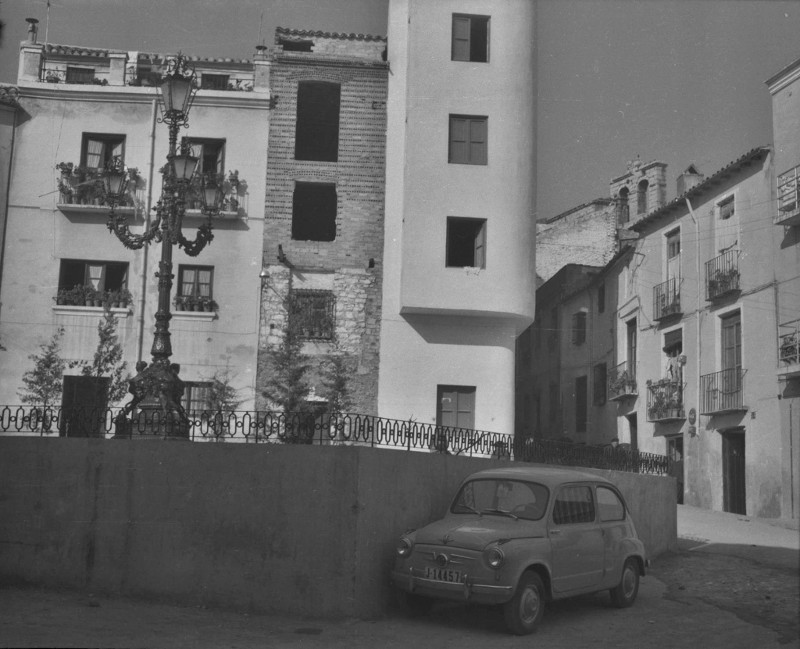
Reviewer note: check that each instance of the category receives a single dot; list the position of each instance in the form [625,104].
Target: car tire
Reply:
[625,592]
[524,612]
[418,605]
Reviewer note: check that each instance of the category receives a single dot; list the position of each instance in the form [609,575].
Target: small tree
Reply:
[43,384]
[222,396]
[287,386]
[107,359]
[335,374]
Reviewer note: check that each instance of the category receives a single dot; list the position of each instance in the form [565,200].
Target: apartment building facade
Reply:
[459,272]
[79,108]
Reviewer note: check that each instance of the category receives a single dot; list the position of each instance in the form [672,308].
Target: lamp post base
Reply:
[155,410]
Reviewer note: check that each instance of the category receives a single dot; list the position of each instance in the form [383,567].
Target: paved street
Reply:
[719,590]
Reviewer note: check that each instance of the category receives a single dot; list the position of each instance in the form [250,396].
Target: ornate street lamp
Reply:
[156,388]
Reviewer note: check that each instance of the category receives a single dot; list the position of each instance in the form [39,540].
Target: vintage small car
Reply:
[521,536]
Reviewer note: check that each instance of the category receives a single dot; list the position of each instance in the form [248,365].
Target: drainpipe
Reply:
[699,311]
[8,193]
[145,249]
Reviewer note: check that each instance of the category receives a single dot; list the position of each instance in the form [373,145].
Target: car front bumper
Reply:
[466,590]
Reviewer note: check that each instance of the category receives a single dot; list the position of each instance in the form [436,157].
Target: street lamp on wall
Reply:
[157,389]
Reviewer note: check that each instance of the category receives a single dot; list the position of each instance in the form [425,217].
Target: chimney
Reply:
[688,179]
[33,30]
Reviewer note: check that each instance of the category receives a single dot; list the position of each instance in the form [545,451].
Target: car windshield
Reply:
[520,499]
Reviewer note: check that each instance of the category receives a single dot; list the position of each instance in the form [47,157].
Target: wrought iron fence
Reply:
[722,275]
[722,391]
[666,299]
[322,430]
[621,381]
[665,400]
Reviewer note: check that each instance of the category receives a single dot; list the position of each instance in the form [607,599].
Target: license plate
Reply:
[442,574]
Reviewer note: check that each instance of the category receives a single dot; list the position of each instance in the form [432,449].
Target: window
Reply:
[100,275]
[455,406]
[623,209]
[211,154]
[574,504]
[673,244]
[468,140]
[317,127]
[641,197]
[79,75]
[311,314]
[196,396]
[579,328]
[555,405]
[314,212]
[195,281]
[726,208]
[581,410]
[214,81]
[630,337]
[601,297]
[99,149]
[466,242]
[673,348]
[732,342]
[599,374]
[470,38]
[295,46]
[609,505]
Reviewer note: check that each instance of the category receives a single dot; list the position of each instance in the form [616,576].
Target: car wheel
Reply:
[624,593]
[524,612]
[418,604]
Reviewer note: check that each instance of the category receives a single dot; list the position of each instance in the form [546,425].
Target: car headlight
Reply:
[495,557]
[404,547]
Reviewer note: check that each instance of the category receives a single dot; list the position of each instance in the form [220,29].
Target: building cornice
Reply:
[785,77]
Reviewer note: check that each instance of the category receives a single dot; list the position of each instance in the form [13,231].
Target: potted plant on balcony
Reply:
[92,297]
[790,348]
[206,303]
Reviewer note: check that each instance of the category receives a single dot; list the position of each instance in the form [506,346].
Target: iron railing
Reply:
[666,299]
[789,344]
[722,391]
[322,430]
[665,400]
[622,381]
[722,275]
[788,197]
[598,457]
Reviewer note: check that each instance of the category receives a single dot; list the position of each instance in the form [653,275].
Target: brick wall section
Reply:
[354,62]
[585,235]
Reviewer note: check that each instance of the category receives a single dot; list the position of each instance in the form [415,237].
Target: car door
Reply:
[616,527]
[576,540]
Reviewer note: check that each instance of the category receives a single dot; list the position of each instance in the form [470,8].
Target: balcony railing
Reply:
[722,391]
[789,198]
[622,381]
[722,275]
[789,349]
[667,299]
[665,400]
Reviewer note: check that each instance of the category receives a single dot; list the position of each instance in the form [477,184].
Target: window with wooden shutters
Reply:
[468,140]
[470,38]
[599,374]
[196,281]
[210,152]
[455,406]
[466,242]
[581,403]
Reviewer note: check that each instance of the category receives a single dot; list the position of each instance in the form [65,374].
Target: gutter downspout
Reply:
[699,311]
[145,249]
[8,196]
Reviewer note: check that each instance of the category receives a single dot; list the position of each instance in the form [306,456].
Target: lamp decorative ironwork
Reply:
[156,404]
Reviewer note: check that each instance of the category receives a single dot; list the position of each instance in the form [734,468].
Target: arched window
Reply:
[642,197]
[623,210]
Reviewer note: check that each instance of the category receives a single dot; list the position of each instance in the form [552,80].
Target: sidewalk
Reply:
[736,529]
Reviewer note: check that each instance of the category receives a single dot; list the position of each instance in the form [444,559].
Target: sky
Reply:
[679,81]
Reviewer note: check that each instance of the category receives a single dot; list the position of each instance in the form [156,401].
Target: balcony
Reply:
[667,299]
[665,401]
[789,350]
[622,381]
[81,191]
[722,392]
[722,276]
[788,198]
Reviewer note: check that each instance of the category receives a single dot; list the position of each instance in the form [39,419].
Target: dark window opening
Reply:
[470,38]
[581,409]
[600,372]
[468,140]
[466,242]
[623,209]
[296,46]
[317,129]
[579,328]
[80,75]
[99,149]
[726,208]
[100,275]
[210,152]
[214,81]
[601,298]
[311,314]
[641,206]
[314,212]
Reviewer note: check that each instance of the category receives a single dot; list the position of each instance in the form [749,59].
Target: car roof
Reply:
[546,475]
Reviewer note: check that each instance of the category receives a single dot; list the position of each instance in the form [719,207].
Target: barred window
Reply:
[311,314]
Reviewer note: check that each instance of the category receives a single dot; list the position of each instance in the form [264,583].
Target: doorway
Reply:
[734,494]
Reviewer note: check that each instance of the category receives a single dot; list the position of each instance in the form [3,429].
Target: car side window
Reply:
[574,504]
[609,506]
